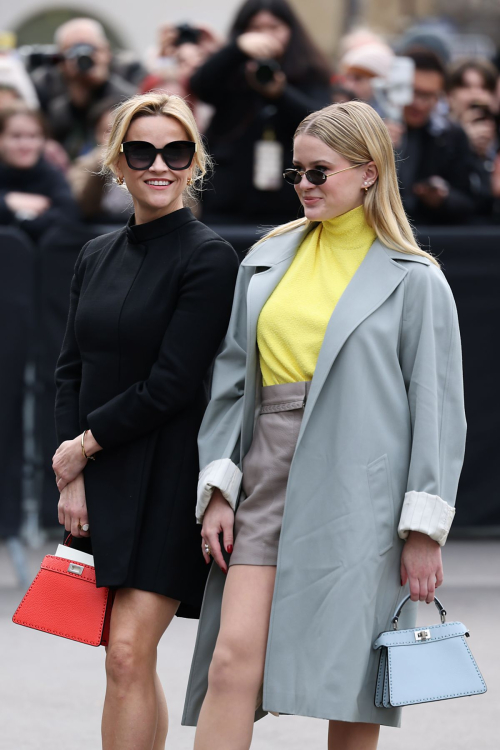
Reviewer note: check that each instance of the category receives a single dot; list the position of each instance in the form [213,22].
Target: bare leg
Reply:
[237,669]
[343,735]
[162,723]
[133,708]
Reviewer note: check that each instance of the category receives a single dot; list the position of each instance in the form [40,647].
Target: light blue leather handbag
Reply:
[425,664]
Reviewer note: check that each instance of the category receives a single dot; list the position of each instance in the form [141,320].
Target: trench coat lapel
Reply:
[374,281]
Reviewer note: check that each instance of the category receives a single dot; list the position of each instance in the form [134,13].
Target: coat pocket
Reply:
[382,502]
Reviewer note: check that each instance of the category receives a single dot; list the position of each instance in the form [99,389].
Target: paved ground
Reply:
[51,689]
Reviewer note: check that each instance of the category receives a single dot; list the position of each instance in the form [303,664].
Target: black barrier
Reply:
[17,271]
[471,262]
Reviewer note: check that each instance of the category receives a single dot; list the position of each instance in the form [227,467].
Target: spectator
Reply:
[69,91]
[9,96]
[100,199]
[361,65]
[478,121]
[435,162]
[262,84]
[473,80]
[33,195]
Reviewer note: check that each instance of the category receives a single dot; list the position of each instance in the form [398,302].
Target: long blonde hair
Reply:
[149,105]
[355,131]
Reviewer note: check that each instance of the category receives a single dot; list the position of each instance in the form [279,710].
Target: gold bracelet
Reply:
[92,458]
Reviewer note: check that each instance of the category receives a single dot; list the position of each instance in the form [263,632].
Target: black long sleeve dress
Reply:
[242,117]
[150,305]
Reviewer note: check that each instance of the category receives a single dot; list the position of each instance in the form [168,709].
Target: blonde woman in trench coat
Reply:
[376,461]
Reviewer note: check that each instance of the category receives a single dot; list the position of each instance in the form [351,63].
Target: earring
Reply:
[190,181]
[366,188]
[120,180]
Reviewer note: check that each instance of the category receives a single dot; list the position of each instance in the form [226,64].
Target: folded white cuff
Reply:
[223,475]
[426,513]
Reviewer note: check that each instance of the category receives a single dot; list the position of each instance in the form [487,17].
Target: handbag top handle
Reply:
[400,606]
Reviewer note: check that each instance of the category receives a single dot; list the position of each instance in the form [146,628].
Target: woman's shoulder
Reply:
[203,239]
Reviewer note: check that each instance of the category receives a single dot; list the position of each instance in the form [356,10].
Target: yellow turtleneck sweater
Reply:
[293,321]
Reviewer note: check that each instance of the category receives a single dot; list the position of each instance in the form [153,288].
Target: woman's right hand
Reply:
[72,508]
[219,517]
[260,46]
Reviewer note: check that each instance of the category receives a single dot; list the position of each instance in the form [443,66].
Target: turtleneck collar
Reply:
[151,230]
[350,228]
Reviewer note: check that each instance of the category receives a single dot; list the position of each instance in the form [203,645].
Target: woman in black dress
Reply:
[150,304]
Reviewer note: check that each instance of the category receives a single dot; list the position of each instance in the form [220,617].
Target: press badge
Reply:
[268,165]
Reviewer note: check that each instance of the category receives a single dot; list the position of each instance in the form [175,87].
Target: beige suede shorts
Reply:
[265,474]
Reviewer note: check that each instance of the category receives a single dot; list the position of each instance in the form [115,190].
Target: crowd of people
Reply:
[248,93]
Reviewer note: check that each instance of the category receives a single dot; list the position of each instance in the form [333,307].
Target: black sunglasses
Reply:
[314,176]
[176,155]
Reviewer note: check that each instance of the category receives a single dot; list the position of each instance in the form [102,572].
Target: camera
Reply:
[82,55]
[187,34]
[47,55]
[266,70]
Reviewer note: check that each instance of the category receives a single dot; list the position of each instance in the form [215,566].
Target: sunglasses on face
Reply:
[314,176]
[176,155]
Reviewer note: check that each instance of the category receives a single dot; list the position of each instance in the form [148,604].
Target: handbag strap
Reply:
[69,539]
[400,606]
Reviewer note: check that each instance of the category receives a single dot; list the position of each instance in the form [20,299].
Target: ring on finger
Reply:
[208,549]
[85,527]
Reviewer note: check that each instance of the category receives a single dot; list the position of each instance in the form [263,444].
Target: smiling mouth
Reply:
[158,183]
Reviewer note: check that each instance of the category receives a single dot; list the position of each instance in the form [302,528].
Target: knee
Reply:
[125,664]
[233,669]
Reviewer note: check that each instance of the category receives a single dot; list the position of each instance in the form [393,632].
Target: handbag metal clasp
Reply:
[422,635]
[78,569]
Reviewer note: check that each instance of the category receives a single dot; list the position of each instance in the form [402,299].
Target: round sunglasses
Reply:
[177,155]
[314,176]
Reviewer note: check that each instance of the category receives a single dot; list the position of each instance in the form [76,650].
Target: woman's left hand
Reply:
[422,565]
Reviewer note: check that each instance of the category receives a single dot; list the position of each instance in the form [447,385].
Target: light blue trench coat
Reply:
[384,417]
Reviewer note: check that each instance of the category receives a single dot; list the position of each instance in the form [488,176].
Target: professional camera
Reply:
[266,70]
[187,34]
[47,55]
[82,55]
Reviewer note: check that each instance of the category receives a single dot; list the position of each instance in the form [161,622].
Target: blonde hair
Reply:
[152,104]
[355,131]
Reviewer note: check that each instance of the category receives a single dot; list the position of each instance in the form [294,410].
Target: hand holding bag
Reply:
[425,664]
[64,600]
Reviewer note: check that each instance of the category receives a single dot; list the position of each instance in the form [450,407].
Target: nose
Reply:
[159,165]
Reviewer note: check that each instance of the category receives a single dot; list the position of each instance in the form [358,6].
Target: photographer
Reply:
[68,91]
[262,84]
[435,163]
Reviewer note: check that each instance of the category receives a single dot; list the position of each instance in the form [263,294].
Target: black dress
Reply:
[150,305]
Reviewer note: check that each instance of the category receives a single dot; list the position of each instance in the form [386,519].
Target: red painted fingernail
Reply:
[229,548]
[224,571]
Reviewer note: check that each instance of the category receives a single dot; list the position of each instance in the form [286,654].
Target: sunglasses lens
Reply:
[315,176]
[139,154]
[292,176]
[179,154]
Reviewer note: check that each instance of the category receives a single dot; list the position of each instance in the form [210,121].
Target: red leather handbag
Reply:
[64,600]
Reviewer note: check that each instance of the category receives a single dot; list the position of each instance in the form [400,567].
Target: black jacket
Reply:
[42,179]
[240,119]
[440,148]
[150,305]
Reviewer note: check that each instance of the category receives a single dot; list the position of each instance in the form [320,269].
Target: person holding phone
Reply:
[336,430]
[262,84]
[434,160]
[150,305]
